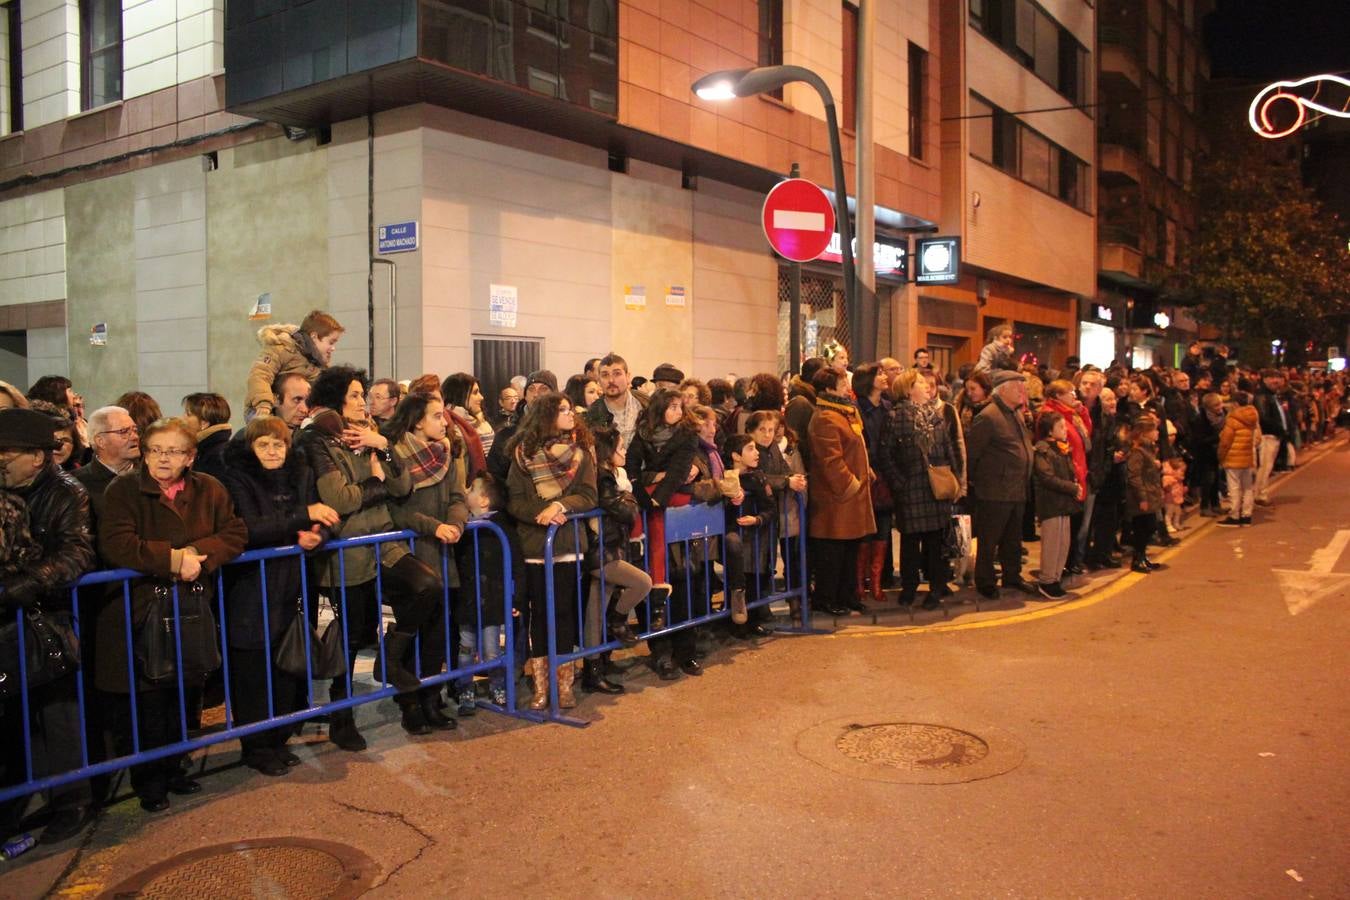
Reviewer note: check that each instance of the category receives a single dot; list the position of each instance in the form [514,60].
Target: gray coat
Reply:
[904,459]
[425,509]
[999,451]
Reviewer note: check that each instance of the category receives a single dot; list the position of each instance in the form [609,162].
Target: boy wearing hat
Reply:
[58,512]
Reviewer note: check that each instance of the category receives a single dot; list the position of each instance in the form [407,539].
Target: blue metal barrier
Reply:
[505,662]
[698,525]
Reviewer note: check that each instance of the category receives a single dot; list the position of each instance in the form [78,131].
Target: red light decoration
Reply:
[1306,94]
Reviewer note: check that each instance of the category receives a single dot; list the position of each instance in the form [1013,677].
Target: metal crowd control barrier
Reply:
[505,661]
[698,526]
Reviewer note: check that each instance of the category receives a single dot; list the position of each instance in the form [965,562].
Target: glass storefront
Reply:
[1096,344]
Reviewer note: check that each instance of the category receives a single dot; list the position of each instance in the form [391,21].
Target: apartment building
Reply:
[1018,181]
[534,180]
[1153,71]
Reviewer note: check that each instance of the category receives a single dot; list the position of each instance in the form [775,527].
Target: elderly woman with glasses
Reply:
[177,526]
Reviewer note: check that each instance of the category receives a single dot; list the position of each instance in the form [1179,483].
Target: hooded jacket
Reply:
[1237,441]
[285,348]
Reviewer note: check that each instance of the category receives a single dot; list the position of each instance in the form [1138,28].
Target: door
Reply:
[497,360]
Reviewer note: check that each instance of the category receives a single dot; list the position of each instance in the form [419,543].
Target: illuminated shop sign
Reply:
[939,260]
[1104,313]
[1325,95]
[887,259]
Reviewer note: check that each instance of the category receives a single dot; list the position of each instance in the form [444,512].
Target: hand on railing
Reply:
[191,567]
[308,540]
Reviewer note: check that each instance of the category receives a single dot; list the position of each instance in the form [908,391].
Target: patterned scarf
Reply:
[715,466]
[844,407]
[552,468]
[428,462]
[1061,446]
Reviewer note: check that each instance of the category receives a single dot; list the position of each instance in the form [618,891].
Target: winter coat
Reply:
[1057,484]
[210,457]
[524,504]
[839,482]
[141,529]
[956,438]
[344,482]
[757,550]
[904,460]
[651,455]
[1143,481]
[1275,420]
[285,348]
[1079,435]
[1239,437]
[1205,442]
[424,509]
[801,406]
[1000,454]
[621,513]
[476,461]
[1174,481]
[274,505]
[1099,459]
[58,521]
[993,358]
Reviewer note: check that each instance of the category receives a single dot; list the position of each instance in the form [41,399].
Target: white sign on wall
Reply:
[503,305]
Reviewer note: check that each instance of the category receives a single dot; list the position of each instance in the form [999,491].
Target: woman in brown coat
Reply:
[175,525]
[839,513]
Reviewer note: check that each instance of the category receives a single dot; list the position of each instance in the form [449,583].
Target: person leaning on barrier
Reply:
[357,474]
[273,492]
[58,521]
[176,526]
[552,474]
[434,459]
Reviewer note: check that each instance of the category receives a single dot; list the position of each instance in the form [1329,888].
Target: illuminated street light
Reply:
[732,83]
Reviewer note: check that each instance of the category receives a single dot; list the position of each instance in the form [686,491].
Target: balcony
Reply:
[314,62]
[1122,62]
[1118,256]
[1119,166]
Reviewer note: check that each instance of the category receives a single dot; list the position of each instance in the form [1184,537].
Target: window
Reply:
[9,17]
[100,52]
[998,138]
[771,36]
[918,93]
[1038,42]
[849,38]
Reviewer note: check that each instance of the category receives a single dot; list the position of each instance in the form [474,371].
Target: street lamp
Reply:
[729,84]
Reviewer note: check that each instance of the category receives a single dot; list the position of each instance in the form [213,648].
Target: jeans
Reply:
[471,651]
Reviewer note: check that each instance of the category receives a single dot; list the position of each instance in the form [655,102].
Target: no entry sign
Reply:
[798,219]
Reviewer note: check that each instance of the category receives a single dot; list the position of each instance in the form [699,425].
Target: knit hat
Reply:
[543,376]
[667,372]
[27,429]
[1003,376]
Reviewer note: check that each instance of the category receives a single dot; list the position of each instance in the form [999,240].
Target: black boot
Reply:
[431,709]
[342,731]
[414,719]
[396,647]
[620,630]
[593,678]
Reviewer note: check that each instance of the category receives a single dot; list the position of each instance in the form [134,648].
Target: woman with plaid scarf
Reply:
[552,474]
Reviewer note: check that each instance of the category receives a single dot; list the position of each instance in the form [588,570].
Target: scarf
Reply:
[552,468]
[1061,446]
[715,466]
[428,461]
[845,408]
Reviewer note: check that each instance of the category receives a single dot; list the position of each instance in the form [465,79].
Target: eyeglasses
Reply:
[173,453]
[121,432]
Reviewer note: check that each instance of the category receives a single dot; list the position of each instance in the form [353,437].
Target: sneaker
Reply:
[1245,520]
[1229,522]
[1051,591]
[467,702]
[498,695]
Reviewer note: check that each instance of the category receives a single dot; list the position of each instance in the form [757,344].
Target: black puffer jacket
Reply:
[668,451]
[58,513]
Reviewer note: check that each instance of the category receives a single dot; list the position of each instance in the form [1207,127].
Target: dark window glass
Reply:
[101,52]
[918,96]
[15,66]
[1031,36]
[771,36]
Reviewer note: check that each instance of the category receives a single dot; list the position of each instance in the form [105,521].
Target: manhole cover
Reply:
[290,868]
[912,746]
[909,752]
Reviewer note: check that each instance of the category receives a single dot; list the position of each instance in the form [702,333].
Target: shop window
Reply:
[771,36]
[100,52]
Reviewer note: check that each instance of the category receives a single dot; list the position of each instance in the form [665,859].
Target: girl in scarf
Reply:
[661,463]
[552,474]
[437,512]
[1059,495]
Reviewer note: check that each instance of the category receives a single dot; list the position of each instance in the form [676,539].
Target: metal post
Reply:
[393,314]
[864,175]
[855,325]
[795,304]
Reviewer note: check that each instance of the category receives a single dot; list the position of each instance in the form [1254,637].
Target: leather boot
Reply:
[414,719]
[537,668]
[620,630]
[396,647]
[342,731]
[739,615]
[431,709]
[876,560]
[567,673]
[593,678]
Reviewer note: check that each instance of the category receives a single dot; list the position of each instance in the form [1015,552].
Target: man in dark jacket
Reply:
[58,514]
[1275,429]
[618,405]
[999,449]
[117,450]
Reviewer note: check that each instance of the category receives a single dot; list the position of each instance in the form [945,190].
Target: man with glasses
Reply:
[117,450]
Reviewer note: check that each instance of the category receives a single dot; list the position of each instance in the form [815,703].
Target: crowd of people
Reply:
[1096,465]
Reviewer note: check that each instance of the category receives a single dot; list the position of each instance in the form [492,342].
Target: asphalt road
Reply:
[1181,734]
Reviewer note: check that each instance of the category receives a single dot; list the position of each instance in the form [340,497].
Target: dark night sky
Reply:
[1265,40]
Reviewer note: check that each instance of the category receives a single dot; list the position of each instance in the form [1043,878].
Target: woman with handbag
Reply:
[916,461]
[273,492]
[839,508]
[177,526]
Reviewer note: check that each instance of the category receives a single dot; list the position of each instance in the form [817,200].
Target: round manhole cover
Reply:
[290,868]
[909,752]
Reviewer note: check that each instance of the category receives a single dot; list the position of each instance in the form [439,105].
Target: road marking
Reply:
[1301,589]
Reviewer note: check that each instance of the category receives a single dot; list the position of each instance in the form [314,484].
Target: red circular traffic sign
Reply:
[798,219]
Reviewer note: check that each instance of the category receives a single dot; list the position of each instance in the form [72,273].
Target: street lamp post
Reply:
[732,83]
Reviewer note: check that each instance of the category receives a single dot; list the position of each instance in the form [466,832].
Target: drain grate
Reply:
[912,746]
[909,752]
[290,868]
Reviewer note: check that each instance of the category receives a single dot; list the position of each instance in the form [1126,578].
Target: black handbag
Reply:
[327,656]
[160,636]
[51,649]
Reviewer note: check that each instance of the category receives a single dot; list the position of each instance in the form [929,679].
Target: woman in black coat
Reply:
[274,493]
[660,462]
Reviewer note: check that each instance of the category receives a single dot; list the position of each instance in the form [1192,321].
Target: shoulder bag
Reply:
[162,637]
[50,649]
